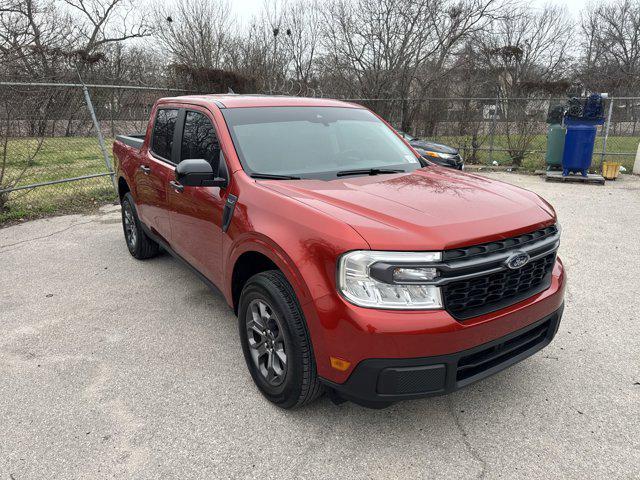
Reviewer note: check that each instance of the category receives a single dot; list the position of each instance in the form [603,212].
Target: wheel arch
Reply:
[123,187]
[256,255]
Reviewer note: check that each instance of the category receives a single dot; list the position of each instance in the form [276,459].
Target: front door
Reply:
[154,173]
[196,212]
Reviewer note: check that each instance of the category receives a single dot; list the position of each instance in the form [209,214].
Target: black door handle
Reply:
[146,170]
[176,186]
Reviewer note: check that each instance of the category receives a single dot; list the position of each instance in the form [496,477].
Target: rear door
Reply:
[156,170]
[196,212]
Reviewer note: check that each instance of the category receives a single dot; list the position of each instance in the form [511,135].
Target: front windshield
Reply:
[315,142]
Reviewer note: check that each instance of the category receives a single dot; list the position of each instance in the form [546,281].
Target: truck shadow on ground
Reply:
[221,321]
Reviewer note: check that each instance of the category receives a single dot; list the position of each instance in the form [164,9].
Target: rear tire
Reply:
[276,342]
[139,244]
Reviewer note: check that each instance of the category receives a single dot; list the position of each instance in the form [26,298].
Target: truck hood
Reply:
[429,209]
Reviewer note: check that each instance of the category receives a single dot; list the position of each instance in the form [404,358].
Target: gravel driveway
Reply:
[114,368]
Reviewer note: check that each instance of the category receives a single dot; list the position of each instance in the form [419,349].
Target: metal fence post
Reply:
[103,148]
[606,133]
[493,129]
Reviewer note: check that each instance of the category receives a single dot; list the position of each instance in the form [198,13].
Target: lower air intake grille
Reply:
[483,360]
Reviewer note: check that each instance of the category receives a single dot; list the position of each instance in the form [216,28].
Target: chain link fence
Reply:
[51,155]
[508,131]
[51,159]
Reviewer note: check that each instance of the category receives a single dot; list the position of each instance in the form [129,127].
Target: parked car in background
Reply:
[438,153]
[353,268]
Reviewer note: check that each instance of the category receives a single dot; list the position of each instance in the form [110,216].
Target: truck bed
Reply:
[135,140]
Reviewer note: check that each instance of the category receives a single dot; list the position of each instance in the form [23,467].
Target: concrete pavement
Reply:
[115,368]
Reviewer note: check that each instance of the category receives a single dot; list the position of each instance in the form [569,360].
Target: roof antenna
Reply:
[231,92]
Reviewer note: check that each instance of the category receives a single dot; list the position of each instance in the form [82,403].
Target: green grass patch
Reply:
[55,159]
[535,158]
[77,197]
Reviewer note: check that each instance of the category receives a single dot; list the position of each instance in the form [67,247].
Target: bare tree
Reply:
[196,32]
[279,48]
[527,53]
[303,29]
[611,47]
[268,34]
[371,44]
[34,37]
[251,55]
[18,155]
[526,45]
[397,48]
[49,39]
[102,22]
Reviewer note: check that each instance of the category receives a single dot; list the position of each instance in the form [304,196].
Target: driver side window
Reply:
[199,139]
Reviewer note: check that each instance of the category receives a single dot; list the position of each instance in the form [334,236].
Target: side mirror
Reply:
[198,173]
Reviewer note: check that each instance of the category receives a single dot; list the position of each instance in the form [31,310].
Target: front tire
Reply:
[276,342]
[139,244]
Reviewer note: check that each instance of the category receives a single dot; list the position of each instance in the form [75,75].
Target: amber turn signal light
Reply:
[340,364]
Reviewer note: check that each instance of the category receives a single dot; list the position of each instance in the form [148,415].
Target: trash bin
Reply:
[578,144]
[555,146]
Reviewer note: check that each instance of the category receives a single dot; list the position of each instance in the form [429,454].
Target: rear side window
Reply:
[163,128]
[199,139]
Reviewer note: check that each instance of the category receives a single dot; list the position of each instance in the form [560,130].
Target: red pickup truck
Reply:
[355,267]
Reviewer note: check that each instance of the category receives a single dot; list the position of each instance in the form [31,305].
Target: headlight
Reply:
[394,280]
[440,155]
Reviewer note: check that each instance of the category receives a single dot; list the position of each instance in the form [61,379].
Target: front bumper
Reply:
[383,380]
[367,336]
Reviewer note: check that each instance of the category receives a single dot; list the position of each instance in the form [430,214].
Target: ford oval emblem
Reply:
[517,260]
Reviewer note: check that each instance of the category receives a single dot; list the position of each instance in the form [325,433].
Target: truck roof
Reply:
[240,101]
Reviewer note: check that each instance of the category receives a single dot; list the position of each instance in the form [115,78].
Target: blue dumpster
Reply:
[578,144]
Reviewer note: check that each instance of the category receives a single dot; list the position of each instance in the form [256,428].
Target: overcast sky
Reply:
[246,8]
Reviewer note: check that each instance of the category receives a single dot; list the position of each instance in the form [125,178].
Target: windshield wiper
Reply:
[368,171]
[269,176]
